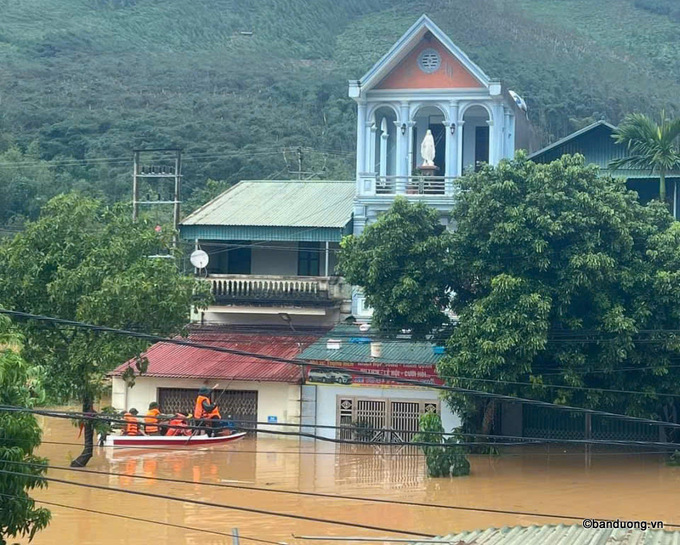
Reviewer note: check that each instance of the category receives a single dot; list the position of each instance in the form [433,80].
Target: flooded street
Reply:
[617,485]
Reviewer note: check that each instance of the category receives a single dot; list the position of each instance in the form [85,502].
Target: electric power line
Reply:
[511,440]
[355,525]
[253,510]
[149,521]
[304,363]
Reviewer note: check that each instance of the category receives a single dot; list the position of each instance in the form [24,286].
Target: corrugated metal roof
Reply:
[176,361]
[288,203]
[562,535]
[393,351]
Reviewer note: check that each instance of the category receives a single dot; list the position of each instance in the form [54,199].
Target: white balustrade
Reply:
[241,286]
[406,185]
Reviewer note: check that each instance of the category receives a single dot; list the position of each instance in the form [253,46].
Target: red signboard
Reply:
[320,374]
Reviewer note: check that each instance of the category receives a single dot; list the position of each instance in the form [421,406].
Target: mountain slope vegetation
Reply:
[241,85]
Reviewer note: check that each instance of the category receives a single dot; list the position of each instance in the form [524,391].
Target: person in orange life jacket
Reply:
[175,426]
[151,419]
[205,410]
[132,426]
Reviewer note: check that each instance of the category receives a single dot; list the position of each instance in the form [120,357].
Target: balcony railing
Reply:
[271,288]
[406,185]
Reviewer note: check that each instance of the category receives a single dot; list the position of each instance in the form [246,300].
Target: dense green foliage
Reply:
[20,386]
[402,262]
[84,261]
[444,461]
[651,146]
[88,80]
[561,277]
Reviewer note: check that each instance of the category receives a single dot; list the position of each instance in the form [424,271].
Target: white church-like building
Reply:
[425,82]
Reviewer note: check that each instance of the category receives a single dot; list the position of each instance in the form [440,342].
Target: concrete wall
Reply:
[273,399]
[326,403]
[275,258]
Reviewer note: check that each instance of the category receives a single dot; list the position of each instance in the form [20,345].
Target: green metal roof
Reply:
[397,351]
[289,203]
[291,210]
[561,535]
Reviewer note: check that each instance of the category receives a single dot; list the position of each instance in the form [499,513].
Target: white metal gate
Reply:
[381,420]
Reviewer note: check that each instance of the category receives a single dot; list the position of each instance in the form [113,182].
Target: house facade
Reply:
[272,248]
[248,390]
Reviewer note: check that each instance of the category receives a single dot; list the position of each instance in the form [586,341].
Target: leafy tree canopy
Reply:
[403,263]
[20,385]
[559,276]
[84,261]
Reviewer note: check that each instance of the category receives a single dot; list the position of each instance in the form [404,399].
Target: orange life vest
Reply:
[151,421]
[172,430]
[132,426]
[199,412]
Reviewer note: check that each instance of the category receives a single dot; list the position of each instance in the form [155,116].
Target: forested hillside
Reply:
[82,82]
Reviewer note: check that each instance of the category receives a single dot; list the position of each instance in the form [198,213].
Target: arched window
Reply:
[429,118]
[475,137]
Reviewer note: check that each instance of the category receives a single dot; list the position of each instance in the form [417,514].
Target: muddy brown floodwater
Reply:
[623,485]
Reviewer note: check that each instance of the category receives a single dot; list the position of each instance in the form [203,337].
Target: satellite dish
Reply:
[199,259]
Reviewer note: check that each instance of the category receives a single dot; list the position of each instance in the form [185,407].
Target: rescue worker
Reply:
[131,423]
[175,426]
[205,410]
[151,419]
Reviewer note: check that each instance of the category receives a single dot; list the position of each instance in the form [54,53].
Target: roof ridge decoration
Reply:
[401,49]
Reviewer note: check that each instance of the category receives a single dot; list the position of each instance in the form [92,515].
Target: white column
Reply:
[372,129]
[361,137]
[409,145]
[368,146]
[383,147]
[493,142]
[326,264]
[452,140]
[507,130]
[402,139]
[459,160]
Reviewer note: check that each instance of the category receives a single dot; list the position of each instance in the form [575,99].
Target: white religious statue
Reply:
[427,149]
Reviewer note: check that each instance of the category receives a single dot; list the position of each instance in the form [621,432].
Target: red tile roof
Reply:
[175,361]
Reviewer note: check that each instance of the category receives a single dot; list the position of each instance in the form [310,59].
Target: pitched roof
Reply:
[283,203]
[176,361]
[573,135]
[353,348]
[561,535]
[404,45]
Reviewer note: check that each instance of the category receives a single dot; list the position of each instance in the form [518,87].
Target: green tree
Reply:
[20,385]
[402,263]
[84,261]
[559,276]
[447,460]
[651,146]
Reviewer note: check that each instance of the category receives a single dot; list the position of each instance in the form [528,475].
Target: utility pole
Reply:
[161,166]
[299,154]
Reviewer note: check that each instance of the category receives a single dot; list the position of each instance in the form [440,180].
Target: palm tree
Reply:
[650,146]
